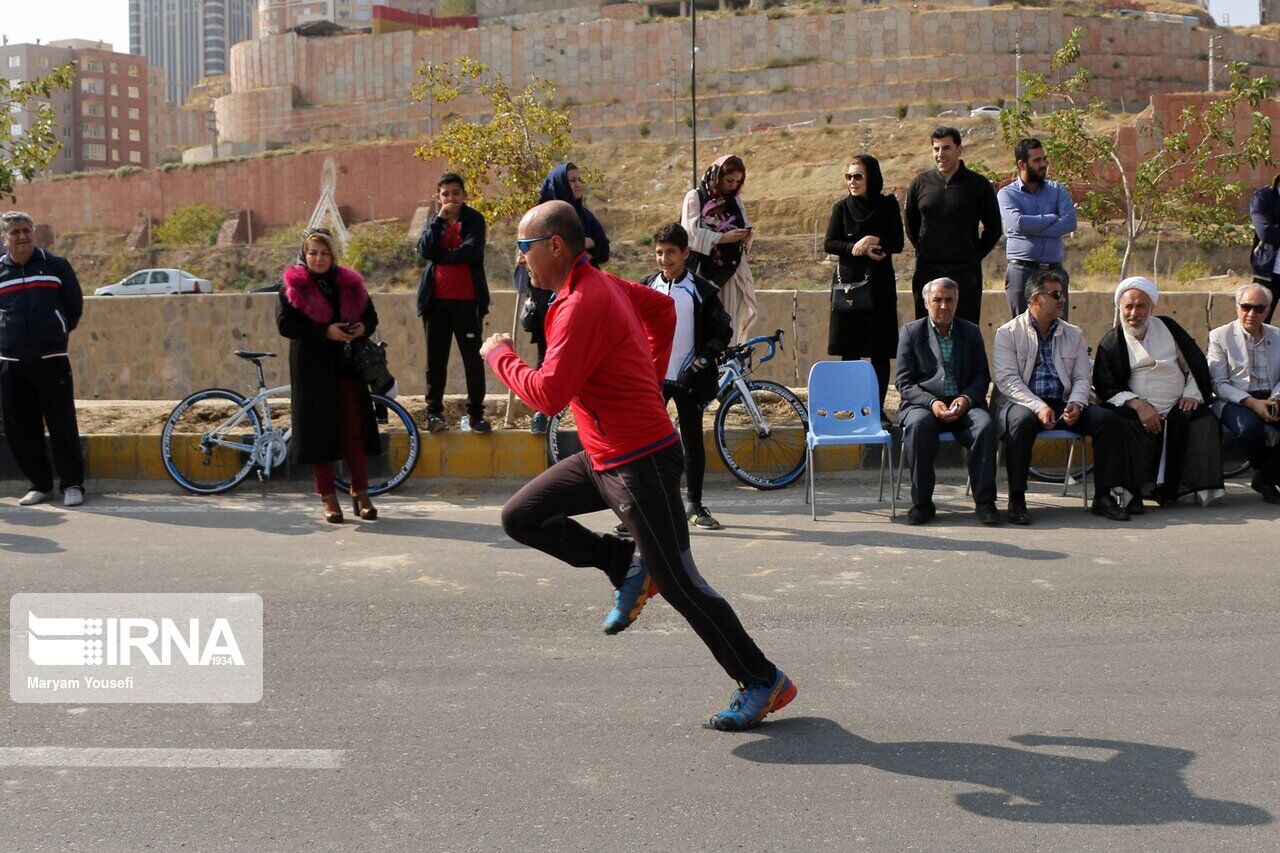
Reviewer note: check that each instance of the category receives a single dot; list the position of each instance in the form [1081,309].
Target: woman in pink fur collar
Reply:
[323,307]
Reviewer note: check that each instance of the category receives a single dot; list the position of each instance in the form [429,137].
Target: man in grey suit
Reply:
[1244,365]
[942,381]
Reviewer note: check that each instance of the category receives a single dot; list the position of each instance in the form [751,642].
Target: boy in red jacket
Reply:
[608,343]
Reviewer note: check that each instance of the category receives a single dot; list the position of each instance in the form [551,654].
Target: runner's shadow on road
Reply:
[1138,784]
[887,539]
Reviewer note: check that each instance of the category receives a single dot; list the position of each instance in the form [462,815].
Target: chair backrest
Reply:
[844,398]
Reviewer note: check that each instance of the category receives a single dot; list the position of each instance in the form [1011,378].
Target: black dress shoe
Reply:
[1107,507]
[1135,506]
[1270,493]
[987,513]
[921,514]
[1018,513]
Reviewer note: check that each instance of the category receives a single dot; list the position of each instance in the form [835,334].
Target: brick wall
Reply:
[386,180]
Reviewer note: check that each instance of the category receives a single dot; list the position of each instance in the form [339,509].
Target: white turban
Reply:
[1137,282]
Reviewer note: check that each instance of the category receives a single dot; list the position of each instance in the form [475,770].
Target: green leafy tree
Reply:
[1182,183]
[505,157]
[27,154]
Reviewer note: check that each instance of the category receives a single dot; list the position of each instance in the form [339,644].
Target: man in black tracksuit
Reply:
[944,208]
[703,330]
[40,303]
[453,297]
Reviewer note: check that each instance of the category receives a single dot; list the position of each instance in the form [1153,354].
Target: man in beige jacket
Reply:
[1042,379]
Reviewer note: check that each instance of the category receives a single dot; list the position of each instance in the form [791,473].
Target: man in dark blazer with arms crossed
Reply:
[942,381]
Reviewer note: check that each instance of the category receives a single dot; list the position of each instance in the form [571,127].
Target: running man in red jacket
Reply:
[608,343]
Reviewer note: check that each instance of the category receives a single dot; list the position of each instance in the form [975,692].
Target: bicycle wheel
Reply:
[207,443]
[398,437]
[768,455]
[562,437]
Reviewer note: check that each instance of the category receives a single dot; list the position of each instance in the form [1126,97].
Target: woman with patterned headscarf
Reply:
[720,238]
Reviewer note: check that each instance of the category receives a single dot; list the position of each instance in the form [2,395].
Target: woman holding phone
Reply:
[720,238]
[322,308]
[864,233]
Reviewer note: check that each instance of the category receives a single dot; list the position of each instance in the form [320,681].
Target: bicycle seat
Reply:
[254,356]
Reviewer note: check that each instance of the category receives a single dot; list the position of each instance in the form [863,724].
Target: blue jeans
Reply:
[1251,433]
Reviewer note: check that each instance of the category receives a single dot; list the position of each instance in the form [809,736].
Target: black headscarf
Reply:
[862,208]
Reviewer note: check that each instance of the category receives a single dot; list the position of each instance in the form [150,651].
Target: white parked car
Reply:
[988,110]
[146,282]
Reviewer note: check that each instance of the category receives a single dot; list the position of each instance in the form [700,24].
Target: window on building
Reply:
[91,86]
[135,135]
[133,92]
[93,151]
[133,71]
[44,62]
[91,109]
[115,90]
[93,131]
[115,133]
[115,67]
[15,62]
[135,114]
[15,129]
[93,65]
[135,156]
[115,155]
[115,111]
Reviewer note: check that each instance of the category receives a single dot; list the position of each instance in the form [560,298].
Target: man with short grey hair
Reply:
[40,303]
[1244,364]
[942,381]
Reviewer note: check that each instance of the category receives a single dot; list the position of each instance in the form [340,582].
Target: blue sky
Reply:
[108,20]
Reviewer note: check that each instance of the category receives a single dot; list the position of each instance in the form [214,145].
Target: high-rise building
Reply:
[1268,11]
[189,39]
[278,16]
[103,122]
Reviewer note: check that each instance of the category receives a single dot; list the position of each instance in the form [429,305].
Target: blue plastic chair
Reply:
[1068,435]
[844,409]
[942,438]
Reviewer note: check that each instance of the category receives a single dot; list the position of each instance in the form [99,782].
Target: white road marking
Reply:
[234,759]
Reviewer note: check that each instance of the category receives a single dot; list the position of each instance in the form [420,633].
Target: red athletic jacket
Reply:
[608,343]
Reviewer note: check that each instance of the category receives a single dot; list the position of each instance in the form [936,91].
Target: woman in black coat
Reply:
[864,233]
[322,308]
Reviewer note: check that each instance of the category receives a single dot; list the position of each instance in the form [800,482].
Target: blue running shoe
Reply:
[751,704]
[630,598]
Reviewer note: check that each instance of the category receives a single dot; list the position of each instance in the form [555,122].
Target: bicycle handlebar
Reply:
[744,349]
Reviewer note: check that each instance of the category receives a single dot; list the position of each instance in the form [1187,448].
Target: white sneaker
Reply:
[73,496]
[32,498]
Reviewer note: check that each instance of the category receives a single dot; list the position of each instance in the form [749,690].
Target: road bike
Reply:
[214,439]
[759,425]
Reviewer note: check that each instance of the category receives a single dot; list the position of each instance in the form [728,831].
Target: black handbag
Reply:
[850,297]
[370,359]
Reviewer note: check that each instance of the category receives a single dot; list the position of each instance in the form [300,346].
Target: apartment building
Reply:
[189,39]
[278,16]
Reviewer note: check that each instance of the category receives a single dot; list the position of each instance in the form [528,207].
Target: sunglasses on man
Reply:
[1246,307]
[524,245]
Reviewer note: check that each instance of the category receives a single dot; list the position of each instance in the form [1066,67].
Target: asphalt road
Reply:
[1077,685]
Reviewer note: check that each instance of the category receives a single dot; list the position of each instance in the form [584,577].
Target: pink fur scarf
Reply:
[303,293]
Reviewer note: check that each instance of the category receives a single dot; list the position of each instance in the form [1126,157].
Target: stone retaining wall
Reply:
[163,348]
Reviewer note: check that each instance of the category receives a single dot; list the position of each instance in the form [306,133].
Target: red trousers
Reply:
[352,443]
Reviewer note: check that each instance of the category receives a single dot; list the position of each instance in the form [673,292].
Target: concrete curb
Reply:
[502,454]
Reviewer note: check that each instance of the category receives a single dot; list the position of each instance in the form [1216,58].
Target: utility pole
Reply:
[1017,65]
[675,110]
[693,82]
[213,128]
[1212,40]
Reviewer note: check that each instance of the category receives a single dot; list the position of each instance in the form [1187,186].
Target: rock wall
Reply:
[163,348]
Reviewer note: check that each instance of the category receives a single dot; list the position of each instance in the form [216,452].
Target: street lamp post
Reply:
[693,82]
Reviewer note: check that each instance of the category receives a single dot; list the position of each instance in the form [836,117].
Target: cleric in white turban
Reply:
[1154,375]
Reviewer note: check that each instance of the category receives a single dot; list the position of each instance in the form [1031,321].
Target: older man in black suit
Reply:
[942,381]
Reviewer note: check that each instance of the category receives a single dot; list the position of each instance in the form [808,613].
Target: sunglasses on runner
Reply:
[524,245]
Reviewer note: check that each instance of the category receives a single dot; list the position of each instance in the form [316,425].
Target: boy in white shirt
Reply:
[703,330]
